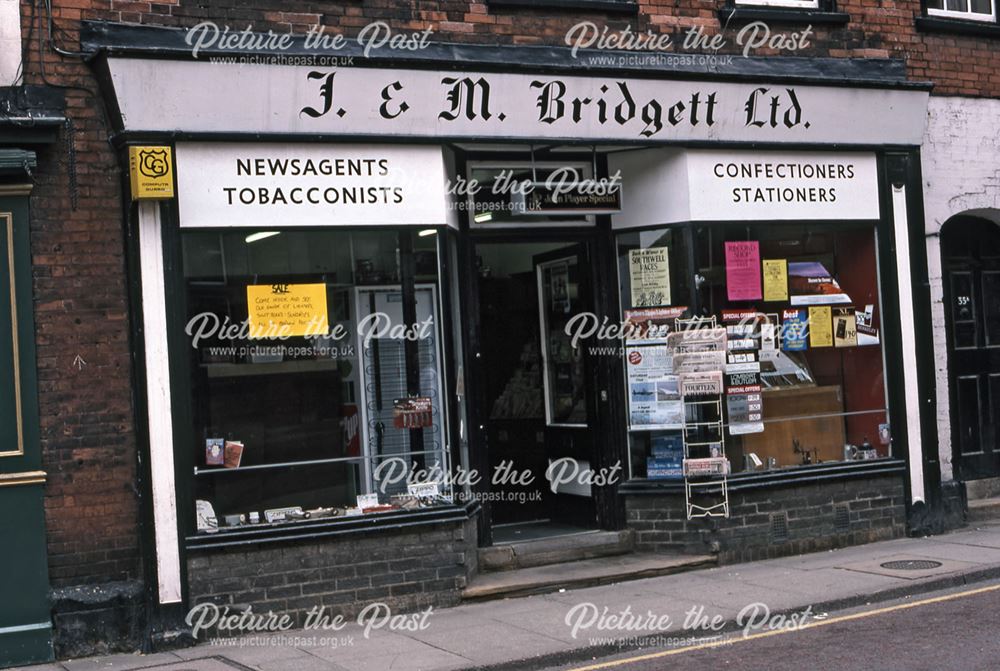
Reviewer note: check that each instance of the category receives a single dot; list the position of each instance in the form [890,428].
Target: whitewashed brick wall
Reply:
[960,160]
[10,42]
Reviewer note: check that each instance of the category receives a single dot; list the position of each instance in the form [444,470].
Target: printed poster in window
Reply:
[775,280]
[845,327]
[653,395]
[794,330]
[866,322]
[810,283]
[282,310]
[646,324]
[743,271]
[820,326]
[649,276]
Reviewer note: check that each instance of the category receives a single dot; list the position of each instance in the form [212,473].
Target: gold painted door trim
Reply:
[23,478]
[9,216]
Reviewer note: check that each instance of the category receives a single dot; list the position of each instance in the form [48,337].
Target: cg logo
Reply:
[153,162]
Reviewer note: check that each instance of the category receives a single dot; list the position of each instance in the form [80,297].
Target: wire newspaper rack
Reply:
[704,442]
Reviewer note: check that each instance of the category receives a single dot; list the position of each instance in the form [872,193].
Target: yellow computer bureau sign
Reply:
[151,172]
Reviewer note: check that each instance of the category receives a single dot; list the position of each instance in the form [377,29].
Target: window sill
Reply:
[803,475]
[625,6]
[936,24]
[327,527]
[781,15]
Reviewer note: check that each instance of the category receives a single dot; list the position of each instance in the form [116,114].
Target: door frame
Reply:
[603,375]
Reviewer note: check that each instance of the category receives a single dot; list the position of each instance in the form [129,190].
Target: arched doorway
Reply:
[970,250]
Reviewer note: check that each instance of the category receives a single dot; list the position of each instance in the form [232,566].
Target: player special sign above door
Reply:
[217,98]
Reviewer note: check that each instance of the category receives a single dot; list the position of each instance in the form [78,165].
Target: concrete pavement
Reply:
[552,629]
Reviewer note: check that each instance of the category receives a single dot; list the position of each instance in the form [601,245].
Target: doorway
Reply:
[25,620]
[970,249]
[536,393]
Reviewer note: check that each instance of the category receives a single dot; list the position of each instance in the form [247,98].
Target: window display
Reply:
[795,345]
[315,374]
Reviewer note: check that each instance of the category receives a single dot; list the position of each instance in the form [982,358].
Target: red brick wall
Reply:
[87,424]
[958,64]
[87,418]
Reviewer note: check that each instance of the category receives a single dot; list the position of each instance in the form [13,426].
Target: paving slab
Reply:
[985,537]
[489,642]
[434,660]
[309,663]
[552,626]
[385,643]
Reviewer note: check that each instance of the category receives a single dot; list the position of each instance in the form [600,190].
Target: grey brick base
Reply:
[774,521]
[407,569]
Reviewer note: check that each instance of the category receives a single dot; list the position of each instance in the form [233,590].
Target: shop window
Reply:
[316,364]
[783,318]
[975,10]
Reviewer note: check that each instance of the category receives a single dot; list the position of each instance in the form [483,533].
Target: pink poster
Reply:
[743,271]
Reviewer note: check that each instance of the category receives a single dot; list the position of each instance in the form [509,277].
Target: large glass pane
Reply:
[800,374]
[565,380]
[299,353]
[655,284]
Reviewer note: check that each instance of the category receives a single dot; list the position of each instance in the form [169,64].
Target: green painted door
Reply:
[25,622]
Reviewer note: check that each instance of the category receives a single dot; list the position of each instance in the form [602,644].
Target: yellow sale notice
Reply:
[281,310]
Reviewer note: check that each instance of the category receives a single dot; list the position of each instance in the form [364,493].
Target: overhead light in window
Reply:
[426,232]
[254,237]
[483,217]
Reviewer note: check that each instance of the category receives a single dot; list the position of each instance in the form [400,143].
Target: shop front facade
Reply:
[387,315]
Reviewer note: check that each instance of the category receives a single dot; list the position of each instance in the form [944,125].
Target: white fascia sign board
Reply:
[671,185]
[270,185]
[206,97]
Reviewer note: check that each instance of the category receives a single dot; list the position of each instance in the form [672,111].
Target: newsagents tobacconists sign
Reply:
[274,185]
[225,97]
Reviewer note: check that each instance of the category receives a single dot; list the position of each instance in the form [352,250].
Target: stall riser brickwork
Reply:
[406,570]
[774,522]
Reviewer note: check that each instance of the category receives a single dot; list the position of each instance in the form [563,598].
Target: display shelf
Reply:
[655,428]
[304,462]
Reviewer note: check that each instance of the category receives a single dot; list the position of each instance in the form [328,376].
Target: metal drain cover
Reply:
[911,565]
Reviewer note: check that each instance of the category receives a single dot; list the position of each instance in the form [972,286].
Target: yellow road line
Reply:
[775,632]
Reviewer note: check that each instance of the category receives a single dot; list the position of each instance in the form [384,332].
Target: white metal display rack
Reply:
[703,418]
